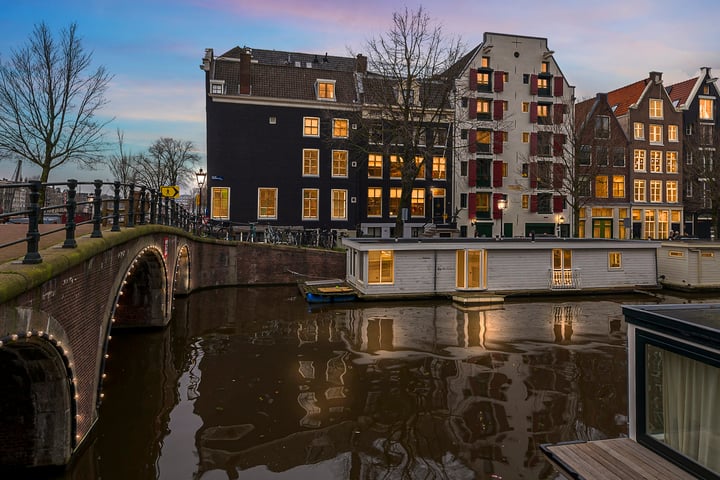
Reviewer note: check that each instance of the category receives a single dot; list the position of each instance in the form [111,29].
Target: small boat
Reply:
[327,291]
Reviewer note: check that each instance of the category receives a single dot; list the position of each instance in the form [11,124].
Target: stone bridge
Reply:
[57,317]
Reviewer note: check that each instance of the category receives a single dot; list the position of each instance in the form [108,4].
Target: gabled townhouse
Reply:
[652,125]
[511,124]
[289,143]
[602,193]
[698,100]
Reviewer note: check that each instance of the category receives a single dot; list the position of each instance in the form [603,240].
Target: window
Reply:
[655,161]
[310,204]
[583,186]
[381,266]
[602,126]
[417,203]
[439,168]
[420,165]
[601,186]
[468,269]
[525,201]
[614,260]
[525,107]
[618,186]
[639,160]
[544,175]
[671,191]
[217,87]
[671,162]
[655,191]
[562,267]
[440,136]
[484,142]
[340,128]
[483,108]
[601,156]
[525,137]
[485,62]
[311,126]
[618,157]
[656,108]
[639,191]
[544,144]
[374,202]
[463,200]
[395,166]
[543,87]
[655,133]
[375,165]
[375,134]
[338,207]
[672,133]
[325,89]
[584,157]
[544,67]
[220,203]
[544,203]
[639,131]
[340,163]
[483,81]
[267,203]
[394,201]
[706,109]
[706,134]
[311,162]
[543,114]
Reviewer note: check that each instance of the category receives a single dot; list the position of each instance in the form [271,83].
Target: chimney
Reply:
[656,77]
[244,80]
[602,97]
[361,63]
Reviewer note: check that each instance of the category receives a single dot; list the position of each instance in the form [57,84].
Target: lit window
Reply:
[618,186]
[484,138]
[671,191]
[381,266]
[417,204]
[220,203]
[439,168]
[706,109]
[639,190]
[671,162]
[485,62]
[420,164]
[655,161]
[525,107]
[325,89]
[267,203]
[375,165]
[394,201]
[395,166]
[339,204]
[340,127]
[340,163]
[544,67]
[483,108]
[614,260]
[483,81]
[656,108]
[374,202]
[311,126]
[655,134]
[639,160]
[543,117]
[655,191]
[525,137]
[310,204]
[468,269]
[601,186]
[672,133]
[311,162]
[639,130]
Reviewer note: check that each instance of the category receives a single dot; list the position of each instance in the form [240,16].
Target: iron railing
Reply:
[141,206]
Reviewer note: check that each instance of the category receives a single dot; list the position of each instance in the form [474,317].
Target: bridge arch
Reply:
[181,283]
[38,391]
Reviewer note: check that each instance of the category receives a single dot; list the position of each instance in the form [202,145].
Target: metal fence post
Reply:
[143,200]
[97,210]
[131,207]
[153,206]
[33,234]
[116,208]
[71,205]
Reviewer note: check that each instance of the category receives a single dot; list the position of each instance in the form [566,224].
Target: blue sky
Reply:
[154,47]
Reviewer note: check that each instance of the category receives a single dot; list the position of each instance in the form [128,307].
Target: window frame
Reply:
[311,127]
[217,210]
[310,204]
[325,90]
[375,161]
[340,165]
[655,108]
[310,167]
[335,202]
[274,206]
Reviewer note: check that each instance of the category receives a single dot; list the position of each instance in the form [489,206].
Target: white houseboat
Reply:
[673,391]
[463,268]
[689,265]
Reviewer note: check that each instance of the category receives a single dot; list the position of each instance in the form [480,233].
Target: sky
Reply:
[153,48]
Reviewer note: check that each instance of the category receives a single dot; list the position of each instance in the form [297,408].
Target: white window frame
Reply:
[323,81]
[347,166]
[275,203]
[305,199]
[306,127]
[655,108]
[334,201]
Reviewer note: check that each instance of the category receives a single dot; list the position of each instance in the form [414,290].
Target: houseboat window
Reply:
[469,269]
[381,266]
[220,203]
[680,404]
[614,260]
[676,253]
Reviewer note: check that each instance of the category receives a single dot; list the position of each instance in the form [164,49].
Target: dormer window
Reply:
[217,87]
[325,90]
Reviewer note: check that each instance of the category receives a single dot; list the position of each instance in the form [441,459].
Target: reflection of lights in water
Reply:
[194,380]
[308,402]
[306,369]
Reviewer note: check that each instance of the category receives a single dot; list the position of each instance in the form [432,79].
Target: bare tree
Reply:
[406,93]
[49,99]
[123,165]
[169,162]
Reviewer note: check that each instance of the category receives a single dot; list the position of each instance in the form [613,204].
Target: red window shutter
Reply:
[497,141]
[558,111]
[471,205]
[498,81]
[558,87]
[558,175]
[497,173]
[558,203]
[533,203]
[472,141]
[558,142]
[498,110]
[533,144]
[496,211]
[533,85]
[473,79]
[533,112]
[533,175]
[472,108]
[472,173]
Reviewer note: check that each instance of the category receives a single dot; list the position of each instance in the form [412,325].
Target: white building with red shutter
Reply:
[511,124]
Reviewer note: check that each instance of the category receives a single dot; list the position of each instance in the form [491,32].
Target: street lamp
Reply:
[501,205]
[560,221]
[201,176]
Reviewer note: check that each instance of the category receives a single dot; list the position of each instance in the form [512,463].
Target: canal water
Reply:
[253,383]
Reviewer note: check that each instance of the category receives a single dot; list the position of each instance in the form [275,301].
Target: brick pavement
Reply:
[15,231]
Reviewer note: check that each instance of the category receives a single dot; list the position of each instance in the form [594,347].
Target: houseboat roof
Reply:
[514,243]
[699,323]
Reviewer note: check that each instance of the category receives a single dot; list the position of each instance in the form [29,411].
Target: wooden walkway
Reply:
[616,459]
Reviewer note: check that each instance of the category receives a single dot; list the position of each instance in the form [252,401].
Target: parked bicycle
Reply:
[214,229]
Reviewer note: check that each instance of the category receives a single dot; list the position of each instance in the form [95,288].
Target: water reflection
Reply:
[251,383]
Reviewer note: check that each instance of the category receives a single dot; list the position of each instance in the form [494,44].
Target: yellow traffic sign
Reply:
[171,192]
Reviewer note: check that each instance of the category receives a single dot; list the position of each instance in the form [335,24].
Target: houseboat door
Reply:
[470,271]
